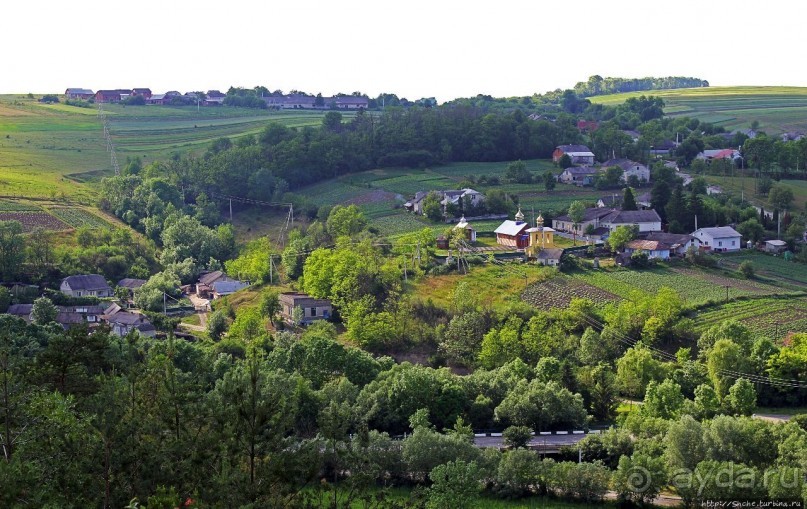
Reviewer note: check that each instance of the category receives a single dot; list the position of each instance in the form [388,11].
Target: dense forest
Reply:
[597,85]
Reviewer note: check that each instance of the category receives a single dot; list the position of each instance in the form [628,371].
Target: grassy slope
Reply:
[41,145]
[777,109]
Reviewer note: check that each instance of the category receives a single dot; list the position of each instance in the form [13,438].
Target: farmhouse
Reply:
[89,285]
[107,96]
[591,216]
[678,242]
[579,154]
[646,220]
[654,248]
[723,153]
[609,219]
[206,286]
[718,239]
[663,148]
[629,169]
[312,309]
[79,93]
[513,233]
[145,92]
[464,196]
[579,175]
[66,316]
[124,322]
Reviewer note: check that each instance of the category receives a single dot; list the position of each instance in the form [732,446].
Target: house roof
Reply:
[141,90]
[228,287]
[550,253]
[581,170]
[777,243]
[112,309]
[211,277]
[86,282]
[611,200]
[648,245]
[349,99]
[131,283]
[511,228]
[82,310]
[632,217]
[675,240]
[625,164]
[719,232]
[573,148]
[83,91]
[295,299]
[20,309]
[68,318]
[589,214]
[127,318]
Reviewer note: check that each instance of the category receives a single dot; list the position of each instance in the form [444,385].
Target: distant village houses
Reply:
[579,154]
[86,285]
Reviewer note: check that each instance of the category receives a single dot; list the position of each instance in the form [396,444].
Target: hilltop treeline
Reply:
[597,85]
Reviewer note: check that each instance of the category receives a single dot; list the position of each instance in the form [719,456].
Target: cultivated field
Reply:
[777,109]
[695,286]
[769,317]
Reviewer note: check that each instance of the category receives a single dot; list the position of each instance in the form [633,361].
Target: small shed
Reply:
[775,246]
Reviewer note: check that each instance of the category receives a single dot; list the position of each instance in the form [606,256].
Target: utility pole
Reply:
[165,311]
[231,210]
[727,293]
[271,269]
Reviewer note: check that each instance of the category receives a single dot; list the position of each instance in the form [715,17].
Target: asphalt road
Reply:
[539,442]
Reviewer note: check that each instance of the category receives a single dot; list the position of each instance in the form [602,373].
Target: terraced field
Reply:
[776,267]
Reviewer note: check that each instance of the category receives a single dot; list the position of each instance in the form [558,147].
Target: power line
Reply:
[110,147]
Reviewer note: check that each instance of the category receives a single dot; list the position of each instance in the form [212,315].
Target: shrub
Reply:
[747,269]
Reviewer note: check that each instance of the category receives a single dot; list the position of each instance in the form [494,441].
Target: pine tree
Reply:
[628,200]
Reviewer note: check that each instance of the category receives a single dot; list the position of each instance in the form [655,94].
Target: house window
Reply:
[720,243]
[732,242]
[313,311]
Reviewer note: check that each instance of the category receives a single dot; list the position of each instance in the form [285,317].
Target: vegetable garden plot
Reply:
[559,291]
[31,220]
[77,217]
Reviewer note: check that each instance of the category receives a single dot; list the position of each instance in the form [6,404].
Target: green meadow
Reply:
[777,109]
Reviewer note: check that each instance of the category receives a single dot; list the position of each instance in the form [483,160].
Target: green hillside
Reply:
[50,151]
[777,109]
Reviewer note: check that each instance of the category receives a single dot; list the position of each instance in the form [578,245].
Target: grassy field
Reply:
[54,151]
[769,266]
[777,109]
[746,186]
[494,286]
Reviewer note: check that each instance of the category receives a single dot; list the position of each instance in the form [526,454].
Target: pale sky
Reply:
[418,48]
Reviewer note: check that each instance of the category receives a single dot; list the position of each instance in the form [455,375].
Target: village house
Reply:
[579,175]
[663,148]
[312,309]
[722,153]
[455,197]
[84,94]
[655,249]
[629,169]
[610,219]
[646,220]
[611,201]
[124,322]
[86,285]
[145,92]
[108,96]
[513,233]
[206,286]
[717,239]
[66,316]
[579,154]
[678,242]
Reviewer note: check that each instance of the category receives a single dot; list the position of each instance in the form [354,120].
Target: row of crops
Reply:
[52,219]
[78,218]
[694,286]
[769,317]
[559,291]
